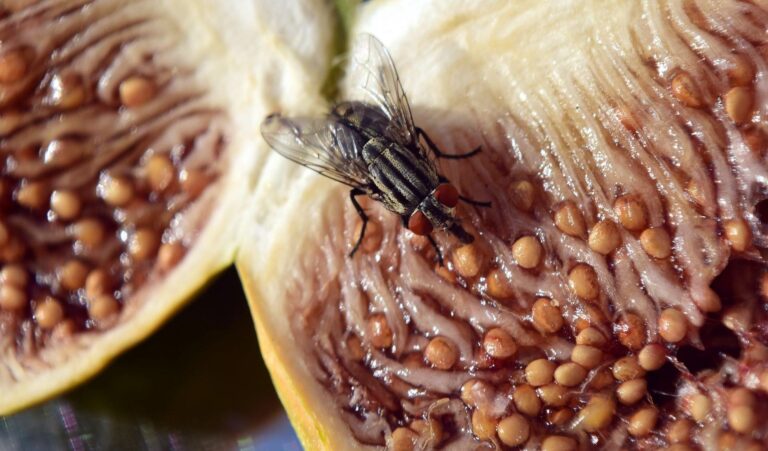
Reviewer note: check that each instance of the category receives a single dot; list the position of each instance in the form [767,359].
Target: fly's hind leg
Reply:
[352,195]
[440,154]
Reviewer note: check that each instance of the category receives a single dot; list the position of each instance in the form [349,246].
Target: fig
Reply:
[127,153]
[611,297]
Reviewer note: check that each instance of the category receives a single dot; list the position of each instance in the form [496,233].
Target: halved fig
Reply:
[127,135]
[612,296]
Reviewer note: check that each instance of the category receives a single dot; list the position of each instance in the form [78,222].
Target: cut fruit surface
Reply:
[623,153]
[614,293]
[127,135]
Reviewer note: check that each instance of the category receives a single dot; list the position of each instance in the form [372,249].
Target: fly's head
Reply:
[437,211]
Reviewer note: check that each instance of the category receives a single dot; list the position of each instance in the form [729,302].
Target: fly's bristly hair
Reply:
[372,146]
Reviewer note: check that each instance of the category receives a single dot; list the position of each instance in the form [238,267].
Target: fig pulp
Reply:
[123,160]
[623,152]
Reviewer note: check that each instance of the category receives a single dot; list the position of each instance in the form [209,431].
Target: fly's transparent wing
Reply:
[376,81]
[322,144]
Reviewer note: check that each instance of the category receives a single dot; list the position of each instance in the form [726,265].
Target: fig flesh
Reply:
[623,155]
[125,159]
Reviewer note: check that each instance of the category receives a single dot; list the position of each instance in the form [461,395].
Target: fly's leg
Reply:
[476,203]
[439,154]
[437,250]
[352,194]
[431,241]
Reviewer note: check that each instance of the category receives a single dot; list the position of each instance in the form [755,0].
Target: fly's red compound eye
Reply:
[419,224]
[447,195]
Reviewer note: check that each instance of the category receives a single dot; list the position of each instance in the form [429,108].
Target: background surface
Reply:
[199,383]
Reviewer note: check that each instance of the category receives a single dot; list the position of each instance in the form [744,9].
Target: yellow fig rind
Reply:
[298,403]
[103,348]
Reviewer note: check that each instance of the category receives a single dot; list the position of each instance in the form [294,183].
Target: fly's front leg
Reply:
[440,154]
[477,203]
[431,241]
[352,194]
[437,250]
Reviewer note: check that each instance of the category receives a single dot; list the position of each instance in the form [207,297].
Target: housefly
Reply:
[373,147]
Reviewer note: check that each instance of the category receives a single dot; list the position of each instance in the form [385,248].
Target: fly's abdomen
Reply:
[402,177]
[366,119]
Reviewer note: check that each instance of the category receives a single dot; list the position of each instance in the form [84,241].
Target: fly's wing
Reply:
[374,75]
[322,144]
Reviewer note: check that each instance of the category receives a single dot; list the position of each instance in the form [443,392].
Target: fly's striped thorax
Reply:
[403,177]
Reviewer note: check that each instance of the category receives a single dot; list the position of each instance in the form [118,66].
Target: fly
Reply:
[375,149]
